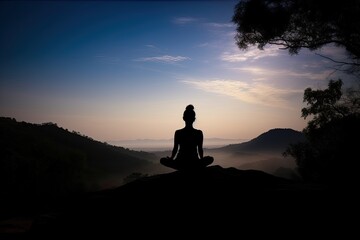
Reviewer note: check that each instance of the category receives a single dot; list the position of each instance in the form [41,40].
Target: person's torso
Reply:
[188,139]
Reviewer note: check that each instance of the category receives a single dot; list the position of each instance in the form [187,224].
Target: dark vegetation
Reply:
[43,162]
[297,24]
[330,154]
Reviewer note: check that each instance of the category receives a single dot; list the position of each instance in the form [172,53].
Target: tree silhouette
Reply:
[328,154]
[328,105]
[297,24]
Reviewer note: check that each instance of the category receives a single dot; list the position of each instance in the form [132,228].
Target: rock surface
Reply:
[212,200]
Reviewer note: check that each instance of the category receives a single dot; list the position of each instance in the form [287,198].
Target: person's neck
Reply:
[188,125]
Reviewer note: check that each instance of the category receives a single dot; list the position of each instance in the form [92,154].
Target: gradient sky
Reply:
[116,70]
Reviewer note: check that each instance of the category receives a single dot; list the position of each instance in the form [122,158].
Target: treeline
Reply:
[42,162]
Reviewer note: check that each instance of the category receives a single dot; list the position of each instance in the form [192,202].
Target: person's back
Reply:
[187,152]
[189,140]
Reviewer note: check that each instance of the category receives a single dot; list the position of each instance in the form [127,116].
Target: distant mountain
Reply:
[274,140]
[264,152]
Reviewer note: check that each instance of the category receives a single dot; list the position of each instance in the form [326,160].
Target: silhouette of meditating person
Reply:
[188,150]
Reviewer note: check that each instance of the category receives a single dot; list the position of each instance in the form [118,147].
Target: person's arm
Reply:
[176,145]
[200,145]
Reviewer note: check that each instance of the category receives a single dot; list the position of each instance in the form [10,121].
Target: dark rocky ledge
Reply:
[205,202]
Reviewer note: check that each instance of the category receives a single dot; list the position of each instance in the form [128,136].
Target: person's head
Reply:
[189,114]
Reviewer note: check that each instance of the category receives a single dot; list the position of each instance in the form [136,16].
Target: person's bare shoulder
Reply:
[177,132]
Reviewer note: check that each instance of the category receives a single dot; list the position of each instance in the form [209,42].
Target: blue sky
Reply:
[117,70]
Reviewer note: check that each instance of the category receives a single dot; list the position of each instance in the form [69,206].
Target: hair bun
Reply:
[189,107]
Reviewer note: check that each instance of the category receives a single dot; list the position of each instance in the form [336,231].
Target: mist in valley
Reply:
[271,162]
[264,153]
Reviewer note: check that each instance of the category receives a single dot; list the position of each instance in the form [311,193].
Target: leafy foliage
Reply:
[329,153]
[324,105]
[296,24]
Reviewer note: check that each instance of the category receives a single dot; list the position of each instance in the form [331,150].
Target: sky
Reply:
[117,70]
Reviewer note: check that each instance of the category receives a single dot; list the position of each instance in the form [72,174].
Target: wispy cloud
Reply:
[251,54]
[220,25]
[254,92]
[184,20]
[318,75]
[163,59]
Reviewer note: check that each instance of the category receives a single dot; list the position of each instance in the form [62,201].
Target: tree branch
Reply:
[339,62]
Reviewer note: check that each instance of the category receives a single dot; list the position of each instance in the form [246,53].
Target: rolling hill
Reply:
[41,162]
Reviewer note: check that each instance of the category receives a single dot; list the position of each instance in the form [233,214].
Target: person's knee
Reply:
[162,160]
[208,160]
